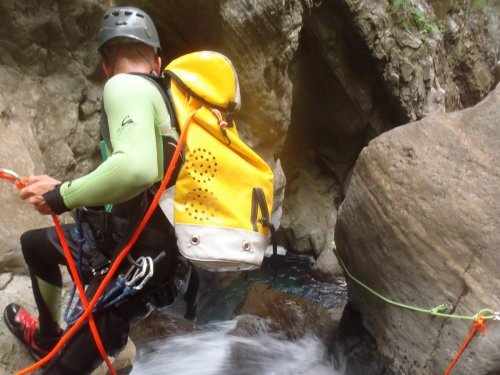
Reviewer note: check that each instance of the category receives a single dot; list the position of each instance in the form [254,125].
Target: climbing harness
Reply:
[479,318]
[20,183]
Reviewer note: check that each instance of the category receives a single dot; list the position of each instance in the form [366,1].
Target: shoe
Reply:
[25,327]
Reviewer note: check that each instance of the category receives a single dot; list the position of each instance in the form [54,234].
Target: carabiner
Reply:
[150,266]
[140,271]
[14,177]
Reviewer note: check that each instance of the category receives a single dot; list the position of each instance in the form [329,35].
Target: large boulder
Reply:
[420,224]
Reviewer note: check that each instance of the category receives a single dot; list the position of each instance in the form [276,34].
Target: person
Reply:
[136,118]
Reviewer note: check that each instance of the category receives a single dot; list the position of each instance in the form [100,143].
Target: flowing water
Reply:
[217,349]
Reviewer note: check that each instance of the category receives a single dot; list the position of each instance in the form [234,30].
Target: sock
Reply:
[48,300]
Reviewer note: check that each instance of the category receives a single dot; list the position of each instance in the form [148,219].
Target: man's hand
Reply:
[36,186]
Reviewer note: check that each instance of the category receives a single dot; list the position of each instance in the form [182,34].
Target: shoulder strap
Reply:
[104,126]
[161,84]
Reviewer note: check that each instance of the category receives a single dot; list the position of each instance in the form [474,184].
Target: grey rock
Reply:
[327,268]
[420,225]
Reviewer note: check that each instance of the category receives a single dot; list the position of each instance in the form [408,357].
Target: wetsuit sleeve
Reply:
[133,166]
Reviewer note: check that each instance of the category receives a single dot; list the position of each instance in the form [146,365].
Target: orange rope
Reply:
[116,264]
[93,328]
[6,176]
[479,323]
[83,297]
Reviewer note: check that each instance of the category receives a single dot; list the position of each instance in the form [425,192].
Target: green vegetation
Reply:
[479,4]
[409,10]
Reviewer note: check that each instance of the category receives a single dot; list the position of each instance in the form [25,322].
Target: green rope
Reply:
[436,311]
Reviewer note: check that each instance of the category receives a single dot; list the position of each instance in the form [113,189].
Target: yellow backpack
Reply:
[224,190]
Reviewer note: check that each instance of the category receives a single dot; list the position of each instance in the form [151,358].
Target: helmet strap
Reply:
[147,60]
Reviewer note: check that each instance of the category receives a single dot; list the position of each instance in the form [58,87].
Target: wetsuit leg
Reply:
[81,356]
[43,254]
[43,258]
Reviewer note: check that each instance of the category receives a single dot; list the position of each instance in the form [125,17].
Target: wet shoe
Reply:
[25,327]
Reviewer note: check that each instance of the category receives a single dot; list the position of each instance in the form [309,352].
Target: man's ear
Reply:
[107,68]
[157,64]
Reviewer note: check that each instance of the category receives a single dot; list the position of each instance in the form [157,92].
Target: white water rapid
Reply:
[217,351]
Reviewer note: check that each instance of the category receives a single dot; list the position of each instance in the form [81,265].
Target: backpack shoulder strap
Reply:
[104,127]
[162,85]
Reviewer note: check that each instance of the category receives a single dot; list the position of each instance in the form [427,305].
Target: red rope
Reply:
[83,297]
[6,176]
[74,273]
[479,323]
[119,258]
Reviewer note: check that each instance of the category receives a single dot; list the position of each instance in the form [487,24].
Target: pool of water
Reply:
[289,274]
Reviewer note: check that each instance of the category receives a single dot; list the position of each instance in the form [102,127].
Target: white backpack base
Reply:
[221,249]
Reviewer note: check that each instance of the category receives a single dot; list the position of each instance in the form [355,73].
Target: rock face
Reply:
[362,68]
[420,225]
[50,82]
[319,80]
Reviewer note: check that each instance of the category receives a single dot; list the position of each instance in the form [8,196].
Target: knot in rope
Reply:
[479,323]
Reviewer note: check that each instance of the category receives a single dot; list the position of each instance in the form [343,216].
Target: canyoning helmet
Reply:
[128,22]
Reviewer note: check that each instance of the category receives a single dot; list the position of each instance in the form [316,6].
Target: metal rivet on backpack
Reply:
[195,240]
[246,245]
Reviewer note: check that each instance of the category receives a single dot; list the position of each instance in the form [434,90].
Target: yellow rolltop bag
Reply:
[224,191]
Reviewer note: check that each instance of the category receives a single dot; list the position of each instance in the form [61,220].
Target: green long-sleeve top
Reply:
[137,117]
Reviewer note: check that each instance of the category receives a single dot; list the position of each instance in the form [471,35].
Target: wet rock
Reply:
[159,324]
[354,349]
[327,268]
[288,315]
[420,225]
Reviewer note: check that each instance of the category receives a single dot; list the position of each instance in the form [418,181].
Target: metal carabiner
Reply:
[150,266]
[140,271]
[14,177]
[496,315]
